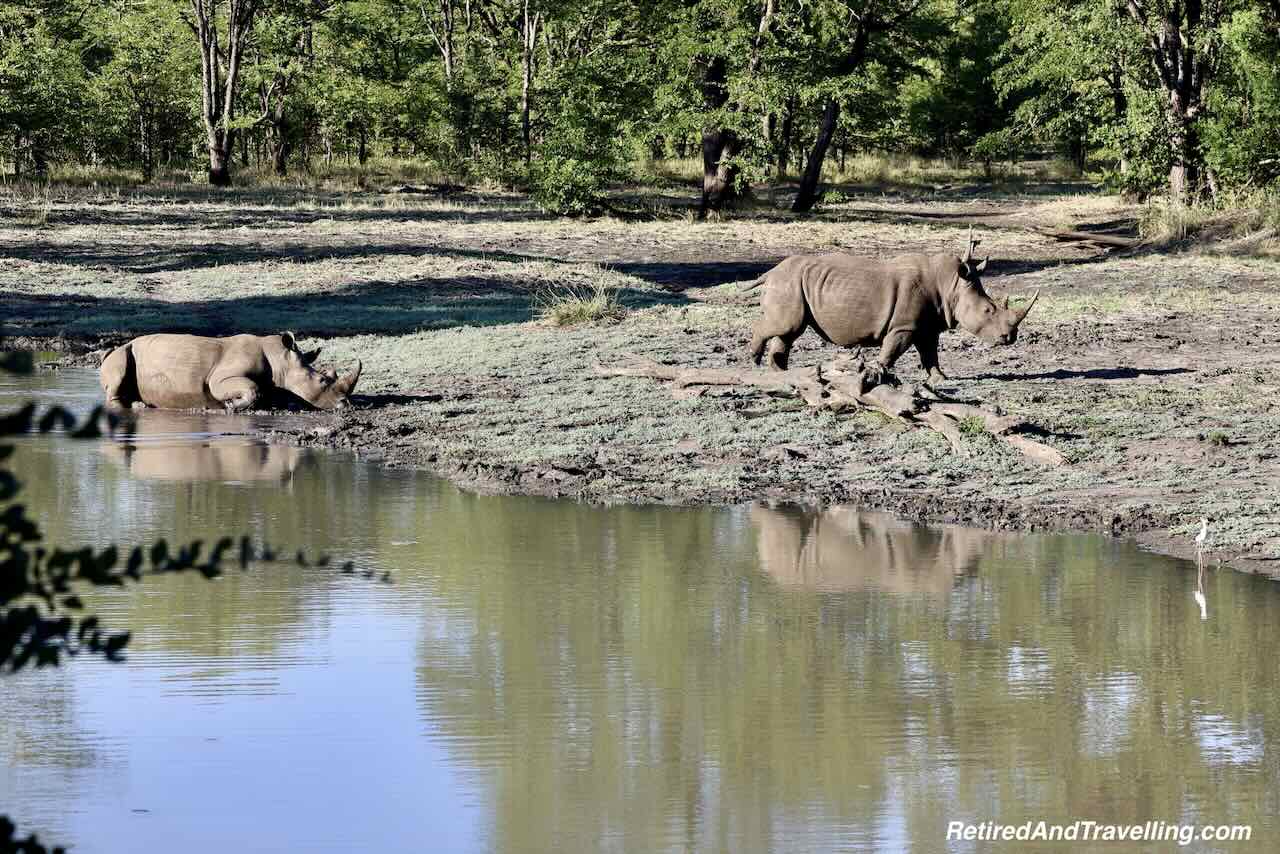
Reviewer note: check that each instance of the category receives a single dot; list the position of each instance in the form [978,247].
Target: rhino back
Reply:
[172,370]
[855,301]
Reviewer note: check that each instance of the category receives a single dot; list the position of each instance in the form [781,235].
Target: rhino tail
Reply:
[748,287]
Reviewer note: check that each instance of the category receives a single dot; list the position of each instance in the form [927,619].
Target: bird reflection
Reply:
[1199,594]
[841,549]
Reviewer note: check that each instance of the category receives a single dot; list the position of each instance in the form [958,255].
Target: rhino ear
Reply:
[286,338]
[309,357]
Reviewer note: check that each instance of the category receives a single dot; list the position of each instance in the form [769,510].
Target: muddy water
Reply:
[546,676]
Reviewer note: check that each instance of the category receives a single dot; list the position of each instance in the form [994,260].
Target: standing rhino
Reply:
[192,372]
[898,302]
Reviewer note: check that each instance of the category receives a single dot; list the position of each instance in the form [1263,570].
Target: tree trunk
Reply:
[1184,163]
[784,141]
[1183,58]
[719,144]
[280,148]
[808,193]
[719,174]
[219,74]
[219,164]
[530,40]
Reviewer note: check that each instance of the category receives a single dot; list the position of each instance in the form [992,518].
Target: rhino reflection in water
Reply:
[169,446]
[841,549]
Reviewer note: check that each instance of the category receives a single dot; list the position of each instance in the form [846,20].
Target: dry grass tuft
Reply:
[570,305]
[1238,223]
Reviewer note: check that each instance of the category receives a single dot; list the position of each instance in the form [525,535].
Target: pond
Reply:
[551,676]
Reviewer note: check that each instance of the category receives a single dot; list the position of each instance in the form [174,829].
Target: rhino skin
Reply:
[896,303]
[194,372]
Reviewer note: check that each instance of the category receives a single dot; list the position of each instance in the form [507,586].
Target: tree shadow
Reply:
[266,217]
[164,259]
[682,275]
[394,307]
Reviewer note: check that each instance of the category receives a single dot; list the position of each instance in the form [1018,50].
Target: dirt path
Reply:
[1154,374]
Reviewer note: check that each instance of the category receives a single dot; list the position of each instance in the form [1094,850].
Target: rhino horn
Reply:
[347,383]
[973,244]
[1022,315]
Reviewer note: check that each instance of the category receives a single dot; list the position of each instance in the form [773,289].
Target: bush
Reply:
[567,185]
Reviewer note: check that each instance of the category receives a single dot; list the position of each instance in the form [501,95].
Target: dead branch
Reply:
[844,384]
[1090,237]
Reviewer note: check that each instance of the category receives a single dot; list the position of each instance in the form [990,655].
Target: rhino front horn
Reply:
[1022,315]
[347,383]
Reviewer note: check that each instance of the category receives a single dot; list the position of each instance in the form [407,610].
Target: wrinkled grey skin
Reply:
[895,303]
[237,373]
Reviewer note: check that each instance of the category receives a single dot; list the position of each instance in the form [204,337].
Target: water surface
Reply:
[549,676]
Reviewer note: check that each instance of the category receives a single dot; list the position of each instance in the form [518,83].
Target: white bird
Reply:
[1202,536]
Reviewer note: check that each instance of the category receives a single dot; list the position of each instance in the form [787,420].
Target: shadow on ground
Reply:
[389,308]
[1090,374]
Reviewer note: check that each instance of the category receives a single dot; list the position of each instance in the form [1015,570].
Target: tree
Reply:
[42,80]
[221,58]
[843,38]
[1183,46]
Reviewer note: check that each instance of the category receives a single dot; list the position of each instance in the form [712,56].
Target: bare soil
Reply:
[1154,373]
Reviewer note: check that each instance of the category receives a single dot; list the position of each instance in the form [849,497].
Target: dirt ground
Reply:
[1155,373]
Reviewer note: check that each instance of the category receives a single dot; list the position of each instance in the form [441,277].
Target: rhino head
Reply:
[322,389]
[973,308]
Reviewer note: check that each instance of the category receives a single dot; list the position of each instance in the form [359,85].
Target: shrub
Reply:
[568,186]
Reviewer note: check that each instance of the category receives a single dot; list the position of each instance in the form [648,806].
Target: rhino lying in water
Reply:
[193,372]
[897,302]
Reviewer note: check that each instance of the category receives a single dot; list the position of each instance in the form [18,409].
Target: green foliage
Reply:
[561,97]
[567,185]
[1241,134]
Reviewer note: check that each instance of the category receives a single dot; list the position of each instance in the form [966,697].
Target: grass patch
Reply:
[570,305]
[973,425]
[1245,220]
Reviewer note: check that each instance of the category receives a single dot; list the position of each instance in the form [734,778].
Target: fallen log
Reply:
[1108,240]
[845,384]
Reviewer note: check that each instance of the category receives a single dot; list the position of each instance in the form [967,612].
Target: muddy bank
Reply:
[1154,374]
[388,438]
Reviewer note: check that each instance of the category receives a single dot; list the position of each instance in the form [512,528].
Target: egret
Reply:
[1202,536]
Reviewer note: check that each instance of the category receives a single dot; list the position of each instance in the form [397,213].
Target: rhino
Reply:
[897,302]
[194,372]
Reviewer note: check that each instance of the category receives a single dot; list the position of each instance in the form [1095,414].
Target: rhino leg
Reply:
[118,383]
[783,321]
[927,347]
[235,393]
[895,344]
